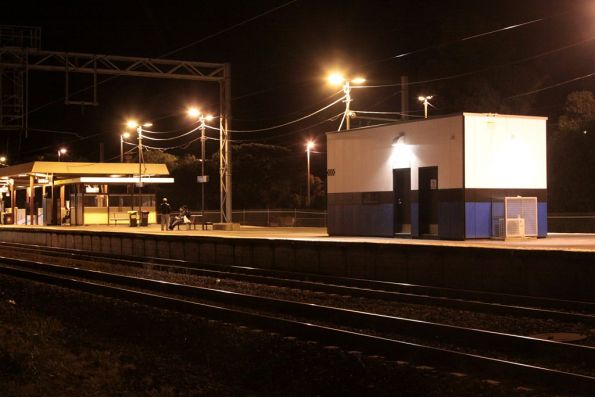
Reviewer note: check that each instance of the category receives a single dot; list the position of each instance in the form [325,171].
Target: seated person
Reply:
[66,216]
[182,217]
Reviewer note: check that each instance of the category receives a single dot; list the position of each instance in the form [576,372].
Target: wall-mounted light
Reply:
[401,152]
[400,138]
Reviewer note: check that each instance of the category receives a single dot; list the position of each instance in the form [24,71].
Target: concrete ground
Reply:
[554,241]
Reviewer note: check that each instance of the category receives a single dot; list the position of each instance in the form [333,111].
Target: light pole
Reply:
[194,112]
[424,100]
[61,151]
[309,147]
[139,133]
[125,135]
[338,79]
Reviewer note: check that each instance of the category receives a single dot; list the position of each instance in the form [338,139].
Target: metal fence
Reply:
[571,222]
[273,217]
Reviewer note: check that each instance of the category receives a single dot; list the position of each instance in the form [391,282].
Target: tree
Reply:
[579,112]
[571,156]
[269,176]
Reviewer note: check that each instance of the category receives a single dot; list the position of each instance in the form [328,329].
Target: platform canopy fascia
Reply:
[94,180]
[59,171]
[75,169]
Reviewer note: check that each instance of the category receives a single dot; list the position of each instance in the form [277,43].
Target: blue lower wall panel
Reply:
[478,220]
[451,220]
[542,219]
[361,220]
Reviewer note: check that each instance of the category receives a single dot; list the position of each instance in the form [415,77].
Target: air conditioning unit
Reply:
[515,227]
[514,217]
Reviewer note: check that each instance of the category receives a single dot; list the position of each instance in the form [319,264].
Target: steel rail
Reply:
[475,338]
[389,348]
[366,291]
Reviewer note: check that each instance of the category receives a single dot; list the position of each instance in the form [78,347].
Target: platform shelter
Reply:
[42,192]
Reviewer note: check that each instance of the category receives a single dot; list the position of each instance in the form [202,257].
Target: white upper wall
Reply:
[505,151]
[363,159]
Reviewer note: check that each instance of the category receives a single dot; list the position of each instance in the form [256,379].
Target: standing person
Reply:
[164,210]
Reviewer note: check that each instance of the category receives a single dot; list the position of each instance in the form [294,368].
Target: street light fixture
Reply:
[338,79]
[125,135]
[61,151]
[3,161]
[202,118]
[424,100]
[309,147]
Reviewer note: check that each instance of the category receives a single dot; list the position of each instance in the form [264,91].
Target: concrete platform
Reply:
[560,266]
[554,241]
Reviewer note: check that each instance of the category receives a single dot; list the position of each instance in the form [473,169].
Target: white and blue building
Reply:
[437,177]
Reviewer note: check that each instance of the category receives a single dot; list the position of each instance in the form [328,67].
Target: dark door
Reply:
[402,193]
[428,200]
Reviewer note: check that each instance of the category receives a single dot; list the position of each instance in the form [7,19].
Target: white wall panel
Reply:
[363,159]
[505,152]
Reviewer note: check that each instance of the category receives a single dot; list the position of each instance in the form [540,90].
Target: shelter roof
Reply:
[63,173]
[433,118]
[70,169]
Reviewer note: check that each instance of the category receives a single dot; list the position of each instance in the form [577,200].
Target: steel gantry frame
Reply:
[26,60]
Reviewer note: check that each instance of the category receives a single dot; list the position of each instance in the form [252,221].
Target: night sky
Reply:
[281,51]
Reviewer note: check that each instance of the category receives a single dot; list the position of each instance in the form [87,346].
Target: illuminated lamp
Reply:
[398,140]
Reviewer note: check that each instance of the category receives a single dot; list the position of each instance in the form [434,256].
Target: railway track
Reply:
[351,330]
[477,301]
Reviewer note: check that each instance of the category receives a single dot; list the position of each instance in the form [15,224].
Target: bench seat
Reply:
[118,216]
[196,220]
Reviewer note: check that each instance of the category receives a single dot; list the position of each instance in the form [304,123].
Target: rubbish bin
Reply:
[144,218]
[8,219]
[133,216]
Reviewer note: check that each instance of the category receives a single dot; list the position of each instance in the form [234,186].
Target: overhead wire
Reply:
[434,47]
[294,132]
[184,145]
[290,122]
[396,113]
[454,76]
[172,138]
[229,28]
[163,132]
[552,86]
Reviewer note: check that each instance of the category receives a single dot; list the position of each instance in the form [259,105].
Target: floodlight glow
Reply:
[131,124]
[401,153]
[193,112]
[63,150]
[2,159]
[358,80]
[209,117]
[310,145]
[126,135]
[148,125]
[336,79]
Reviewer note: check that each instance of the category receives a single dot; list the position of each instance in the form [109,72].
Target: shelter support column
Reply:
[13,201]
[31,193]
